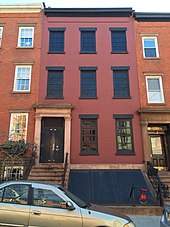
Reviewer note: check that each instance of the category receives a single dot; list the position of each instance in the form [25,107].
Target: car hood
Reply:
[108,210]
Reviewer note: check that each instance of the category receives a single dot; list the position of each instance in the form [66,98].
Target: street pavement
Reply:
[145,221]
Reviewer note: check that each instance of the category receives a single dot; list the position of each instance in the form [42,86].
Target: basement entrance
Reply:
[52,140]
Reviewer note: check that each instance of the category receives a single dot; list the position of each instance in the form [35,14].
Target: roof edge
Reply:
[151,17]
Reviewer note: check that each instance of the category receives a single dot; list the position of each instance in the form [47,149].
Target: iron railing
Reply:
[161,189]
[65,170]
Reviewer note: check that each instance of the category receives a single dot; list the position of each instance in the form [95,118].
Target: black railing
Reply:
[65,170]
[161,189]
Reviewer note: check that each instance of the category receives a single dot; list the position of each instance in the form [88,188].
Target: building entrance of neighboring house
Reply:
[160,150]
[52,140]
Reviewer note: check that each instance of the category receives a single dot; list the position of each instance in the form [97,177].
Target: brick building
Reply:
[20,47]
[89,98]
[152,48]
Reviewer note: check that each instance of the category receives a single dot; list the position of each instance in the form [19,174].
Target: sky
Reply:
[137,5]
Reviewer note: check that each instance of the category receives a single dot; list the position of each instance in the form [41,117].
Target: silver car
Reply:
[165,219]
[24,204]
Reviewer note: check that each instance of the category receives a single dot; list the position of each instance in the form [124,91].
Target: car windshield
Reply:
[75,199]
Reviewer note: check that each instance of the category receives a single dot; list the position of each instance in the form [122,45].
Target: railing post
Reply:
[65,169]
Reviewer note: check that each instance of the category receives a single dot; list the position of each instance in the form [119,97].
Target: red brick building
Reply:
[89,95]
[20,48]
[152,48]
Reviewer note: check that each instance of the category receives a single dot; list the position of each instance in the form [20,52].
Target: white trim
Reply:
[1,31]
[156,45]
[161,88]
[19,37]
[11,124]
[16,74]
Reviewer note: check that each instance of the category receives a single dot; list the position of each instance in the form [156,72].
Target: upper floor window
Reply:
[1,30]
[88,40]
[89,144]
[118,37]
[22,78]
[154,89]
[124,135]
[121,82]
[26,37]
[150,47]
[56,41]
[88,82]
[18,126]
[55,82]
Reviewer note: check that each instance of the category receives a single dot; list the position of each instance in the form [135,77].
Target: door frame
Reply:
[53,110]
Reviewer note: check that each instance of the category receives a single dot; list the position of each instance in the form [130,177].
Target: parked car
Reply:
[46,205]
[165,218]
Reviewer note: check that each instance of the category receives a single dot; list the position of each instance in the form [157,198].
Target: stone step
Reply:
[39,171]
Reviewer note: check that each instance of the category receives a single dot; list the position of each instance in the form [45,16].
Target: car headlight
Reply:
[130,224]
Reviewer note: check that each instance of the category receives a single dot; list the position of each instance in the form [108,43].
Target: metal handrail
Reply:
[65,169]
[162,189]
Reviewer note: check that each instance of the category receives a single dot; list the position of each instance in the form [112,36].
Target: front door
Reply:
[158,151]
[52,140]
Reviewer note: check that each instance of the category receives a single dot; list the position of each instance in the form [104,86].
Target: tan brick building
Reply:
[20,47]
[153,49]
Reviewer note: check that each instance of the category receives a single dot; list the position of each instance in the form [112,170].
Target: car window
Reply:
[1,193]
[16,193]
[47,198]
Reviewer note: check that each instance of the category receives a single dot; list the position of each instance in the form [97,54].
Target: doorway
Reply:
[52,140]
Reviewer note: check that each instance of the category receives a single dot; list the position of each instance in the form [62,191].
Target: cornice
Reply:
[151,17]
[21,8]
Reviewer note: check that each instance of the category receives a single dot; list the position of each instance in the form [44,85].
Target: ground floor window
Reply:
[124,135]
[89,145]
[13,173]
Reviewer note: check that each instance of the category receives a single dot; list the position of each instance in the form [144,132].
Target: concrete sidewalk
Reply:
[147,221]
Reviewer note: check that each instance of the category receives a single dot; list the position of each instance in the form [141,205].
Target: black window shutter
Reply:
[88,41]
[88,84]
[119,41]
[55,84]
[56,42]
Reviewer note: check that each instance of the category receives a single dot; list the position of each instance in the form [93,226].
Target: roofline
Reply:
[88,12]
[17,8]
[151,17]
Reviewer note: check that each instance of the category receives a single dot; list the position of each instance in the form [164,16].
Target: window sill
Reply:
[54,97]
[88,52]
[88,98]
[88,153]
[156,104]
[121,97]
[131,153]
[56,52]
[123,52]
[152,58]
[24,47]
[21,92]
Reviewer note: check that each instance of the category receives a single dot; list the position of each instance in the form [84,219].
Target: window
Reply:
[121,82]
[88,40]
[22,78]
[16,194]
[1,30]
[55,82]
[89,134]
[25,38]
[13,173]
[47,198]
[118,37]
[56,44]
[150,47]
[124,137]
[18,126]
[88,82]
[154,89]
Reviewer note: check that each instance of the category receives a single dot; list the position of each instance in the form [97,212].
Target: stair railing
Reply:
[162,190]
[65,170]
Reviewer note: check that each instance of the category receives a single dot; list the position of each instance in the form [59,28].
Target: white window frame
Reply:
[16,77]
[19,37]
[11,125]
[1,31]
[161,88]
[156,45]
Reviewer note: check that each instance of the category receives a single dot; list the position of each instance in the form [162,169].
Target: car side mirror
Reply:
[69,205]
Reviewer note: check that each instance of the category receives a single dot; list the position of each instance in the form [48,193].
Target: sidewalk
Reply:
[147,221]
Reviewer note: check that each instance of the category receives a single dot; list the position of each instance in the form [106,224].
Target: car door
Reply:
[49,209]
[14,208]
